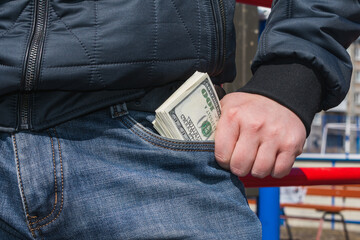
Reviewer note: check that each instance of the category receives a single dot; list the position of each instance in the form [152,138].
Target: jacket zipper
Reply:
[32,60]
[219,15]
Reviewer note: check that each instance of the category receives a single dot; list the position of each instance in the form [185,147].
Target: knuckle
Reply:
[280,173]
[274,131]
[259,174]
[255,125]
[293,144]
[260,170]
[290,145]
[233,113]
[239,171]
[282,168]
[221,159]
[299,151]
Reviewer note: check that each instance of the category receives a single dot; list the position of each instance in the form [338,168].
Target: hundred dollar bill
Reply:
[192,112]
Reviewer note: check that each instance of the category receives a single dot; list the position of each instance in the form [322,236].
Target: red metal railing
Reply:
[308,176]
[261,3]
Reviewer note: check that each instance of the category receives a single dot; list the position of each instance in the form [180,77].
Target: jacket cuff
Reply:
[293,85]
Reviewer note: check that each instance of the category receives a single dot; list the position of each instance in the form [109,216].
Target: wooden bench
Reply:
[343,191]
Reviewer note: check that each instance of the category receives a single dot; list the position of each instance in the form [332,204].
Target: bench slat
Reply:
[317,207]
[333,192]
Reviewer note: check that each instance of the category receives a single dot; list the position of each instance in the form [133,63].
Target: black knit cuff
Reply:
[293,85]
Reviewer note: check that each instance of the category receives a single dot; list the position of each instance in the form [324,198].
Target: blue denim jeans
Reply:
[108,175]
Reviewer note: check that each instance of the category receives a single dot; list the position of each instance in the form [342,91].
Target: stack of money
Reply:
[192,112]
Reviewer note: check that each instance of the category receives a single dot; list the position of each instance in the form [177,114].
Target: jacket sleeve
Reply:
[301,61]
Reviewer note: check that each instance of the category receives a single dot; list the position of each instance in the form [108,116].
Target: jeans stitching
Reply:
[163,143]
[62,184]
[55,181]
[28,216]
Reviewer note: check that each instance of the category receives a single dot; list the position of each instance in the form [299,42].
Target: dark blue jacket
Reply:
[62,59]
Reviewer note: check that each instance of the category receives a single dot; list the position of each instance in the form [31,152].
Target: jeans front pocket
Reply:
[190,189]
[123,181]
[40,177]
[139,124]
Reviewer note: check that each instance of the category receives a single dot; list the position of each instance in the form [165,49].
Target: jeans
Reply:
[108,175]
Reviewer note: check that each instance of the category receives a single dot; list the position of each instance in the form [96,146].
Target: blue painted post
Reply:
[269,200]
[269,212]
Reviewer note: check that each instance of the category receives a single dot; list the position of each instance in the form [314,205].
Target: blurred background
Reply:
[335,134]
[334,131]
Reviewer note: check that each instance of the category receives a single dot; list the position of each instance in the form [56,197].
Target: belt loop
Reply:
[118,110]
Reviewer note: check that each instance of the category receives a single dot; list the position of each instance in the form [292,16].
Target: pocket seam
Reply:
[164,143]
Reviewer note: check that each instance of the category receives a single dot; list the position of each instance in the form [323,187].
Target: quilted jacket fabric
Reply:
[60,59]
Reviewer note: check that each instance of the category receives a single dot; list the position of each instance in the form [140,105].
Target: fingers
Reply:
[257,135]
[265,160]
[261,159]
[245,152]
[276,157]
[226,137]
[283,164]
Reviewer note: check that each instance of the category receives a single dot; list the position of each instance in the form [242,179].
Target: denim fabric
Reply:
[107,175]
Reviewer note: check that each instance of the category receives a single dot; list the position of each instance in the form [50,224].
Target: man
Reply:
[80,81]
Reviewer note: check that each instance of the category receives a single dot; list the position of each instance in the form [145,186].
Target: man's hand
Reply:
[258,135]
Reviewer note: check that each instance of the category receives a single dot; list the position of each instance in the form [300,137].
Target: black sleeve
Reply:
[301,60]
